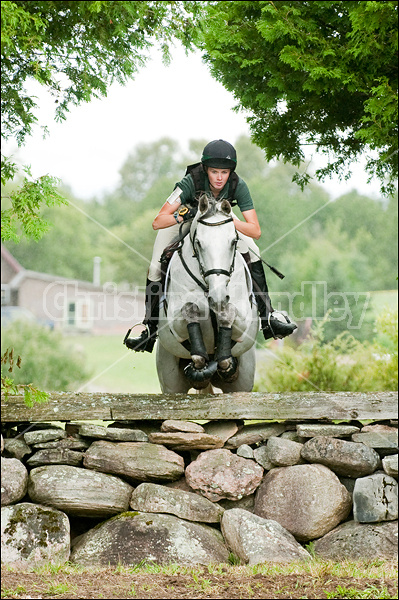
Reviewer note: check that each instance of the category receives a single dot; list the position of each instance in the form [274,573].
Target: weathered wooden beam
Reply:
[293,406]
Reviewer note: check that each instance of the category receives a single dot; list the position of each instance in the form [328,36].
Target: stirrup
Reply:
[143,343]
[276,328]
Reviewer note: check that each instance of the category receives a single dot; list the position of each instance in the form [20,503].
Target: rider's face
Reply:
[217,178]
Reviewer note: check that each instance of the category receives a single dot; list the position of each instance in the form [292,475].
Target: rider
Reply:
[216,175]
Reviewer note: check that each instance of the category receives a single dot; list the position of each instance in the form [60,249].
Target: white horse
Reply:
[208,318]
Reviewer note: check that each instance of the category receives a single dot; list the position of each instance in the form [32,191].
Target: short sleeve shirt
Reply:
[242,193]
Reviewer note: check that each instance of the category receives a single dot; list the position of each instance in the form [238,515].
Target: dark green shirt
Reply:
[242,194]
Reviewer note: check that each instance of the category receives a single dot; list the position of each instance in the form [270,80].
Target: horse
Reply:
[208,319]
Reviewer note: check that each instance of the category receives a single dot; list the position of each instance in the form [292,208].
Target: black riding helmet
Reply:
[219,155]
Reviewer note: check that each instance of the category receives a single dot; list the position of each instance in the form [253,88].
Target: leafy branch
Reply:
[26,203]
[10,388]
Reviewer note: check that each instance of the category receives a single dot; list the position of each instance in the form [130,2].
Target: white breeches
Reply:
[165,236]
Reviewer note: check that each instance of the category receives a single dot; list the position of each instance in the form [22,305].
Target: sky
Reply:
[181,101]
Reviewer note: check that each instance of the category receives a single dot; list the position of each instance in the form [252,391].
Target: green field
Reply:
[115,368]
[384,299]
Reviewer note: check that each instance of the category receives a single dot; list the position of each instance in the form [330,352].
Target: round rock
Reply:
[307,500]
[219,474]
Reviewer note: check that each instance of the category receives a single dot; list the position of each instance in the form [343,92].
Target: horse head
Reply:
[214,240]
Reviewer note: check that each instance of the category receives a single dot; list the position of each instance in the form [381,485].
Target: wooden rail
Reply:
[293,406]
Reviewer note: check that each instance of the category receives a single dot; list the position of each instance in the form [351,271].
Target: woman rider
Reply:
[215,175]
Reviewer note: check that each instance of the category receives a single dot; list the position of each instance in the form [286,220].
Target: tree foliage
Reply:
[76,50]
[322,74]
[24,215]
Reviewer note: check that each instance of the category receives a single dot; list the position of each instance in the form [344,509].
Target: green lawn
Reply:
[115,368]
[384,299]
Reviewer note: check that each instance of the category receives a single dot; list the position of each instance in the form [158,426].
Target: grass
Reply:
[384,299]
[313,578]
[115,368]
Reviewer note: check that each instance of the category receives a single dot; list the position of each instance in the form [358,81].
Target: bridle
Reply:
[201,268]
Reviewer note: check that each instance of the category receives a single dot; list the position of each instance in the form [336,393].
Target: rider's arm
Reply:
[251,227]
[165,218]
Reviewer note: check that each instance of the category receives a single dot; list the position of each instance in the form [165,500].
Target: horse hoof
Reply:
[198,375]
[230,373]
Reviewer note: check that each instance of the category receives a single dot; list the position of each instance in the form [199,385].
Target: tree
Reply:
[312,73]
[75,50]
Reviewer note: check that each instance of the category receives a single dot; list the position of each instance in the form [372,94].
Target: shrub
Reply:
[343,364]
[47,360]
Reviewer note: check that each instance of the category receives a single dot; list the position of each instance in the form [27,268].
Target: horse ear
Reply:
[203,203]
[225,206]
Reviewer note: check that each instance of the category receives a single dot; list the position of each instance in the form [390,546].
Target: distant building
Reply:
[68,304]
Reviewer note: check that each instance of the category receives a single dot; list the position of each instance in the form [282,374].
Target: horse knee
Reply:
[190,312]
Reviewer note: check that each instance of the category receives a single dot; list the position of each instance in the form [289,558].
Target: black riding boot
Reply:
[271,326]
[146,340]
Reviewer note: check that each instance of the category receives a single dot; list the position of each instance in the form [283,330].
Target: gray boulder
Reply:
[55,456]
[139,461]
[284,453]
[220,474]
[390,465]
[245,451]
[256,540]
[383,439]
[254,433]
[71,443]
[310,430]
[261,455]
[350,459]
[113,434]
[79,492]
[150,497]
[16,448]
[14,480]
[180,440]
[375,498]
[33,535]
[133,537]
[44,435]
[354,541]
[185,426]
[223,429]
[307,500]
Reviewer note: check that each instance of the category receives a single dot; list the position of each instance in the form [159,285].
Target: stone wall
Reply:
[176,491]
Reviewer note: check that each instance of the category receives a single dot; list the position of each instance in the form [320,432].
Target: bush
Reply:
[47,361]
[344,364]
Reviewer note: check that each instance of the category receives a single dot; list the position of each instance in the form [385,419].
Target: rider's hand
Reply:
[186,212]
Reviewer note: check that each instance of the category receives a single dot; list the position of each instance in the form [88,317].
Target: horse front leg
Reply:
[200,370]
[227,364]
